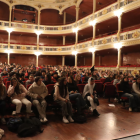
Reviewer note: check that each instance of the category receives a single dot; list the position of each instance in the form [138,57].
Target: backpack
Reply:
[29,127]
[80,118]
[14,123]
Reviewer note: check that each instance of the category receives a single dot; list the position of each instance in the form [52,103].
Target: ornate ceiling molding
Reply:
[59,5]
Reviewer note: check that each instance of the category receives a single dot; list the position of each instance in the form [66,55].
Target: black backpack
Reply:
[29,127]
[14,123]
[80,119]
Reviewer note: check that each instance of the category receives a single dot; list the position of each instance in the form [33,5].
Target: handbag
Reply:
[96,100]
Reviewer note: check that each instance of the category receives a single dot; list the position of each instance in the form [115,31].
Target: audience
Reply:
[78,79]
[117,80]
[47,80]
[38,91]
[30,81]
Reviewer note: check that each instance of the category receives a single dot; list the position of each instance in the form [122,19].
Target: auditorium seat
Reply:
[5,80]
[81,88]
[102,80]
[99,88]
[7,84]
[28,86]
[50,88]
[83,79]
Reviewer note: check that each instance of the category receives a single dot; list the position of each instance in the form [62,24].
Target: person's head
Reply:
[70,79]
[43,72]
[131,78]
[4,71]
[91,81]
[8,70]
[14,70]
[38,80]
[14,81]
[51,72]
[31,77]
[138,80]
[125,79]
[22,75]
[55,75]
[48,77]
[111,75]
[118,77]
[86,74]
[78,77]
[62,82]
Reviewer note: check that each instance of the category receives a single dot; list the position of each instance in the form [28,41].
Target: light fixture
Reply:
[74,52]
[118,12]
[118,45]
[92,50]
[93,23]
[9,30]
[38,32]
[75,30]
[37,53]
[8,51]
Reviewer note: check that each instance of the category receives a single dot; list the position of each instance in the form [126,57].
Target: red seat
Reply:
[50,88]
[26,79]
[102,80]
[110,91]
[54,80]
[99,87]
[83,79]
[81,87]
[7,84]
[28,86]
[96,81]
[5,80]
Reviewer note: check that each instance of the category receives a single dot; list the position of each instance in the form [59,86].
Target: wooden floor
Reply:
[114,122]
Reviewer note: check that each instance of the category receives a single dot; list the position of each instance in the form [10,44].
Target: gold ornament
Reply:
[83,46]
[23,47]
[104,12]
[104,41]
[59,28]
[84,21]
[136,34]
[125,36]
[59,49]
[135,72]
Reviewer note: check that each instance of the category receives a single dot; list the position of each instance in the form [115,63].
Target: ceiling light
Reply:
[75,30]
[9,30]
[92,50]
[118,45]
[74,52]
[118,13]
[38,32]
[8,51]
[37,53]
[93,23]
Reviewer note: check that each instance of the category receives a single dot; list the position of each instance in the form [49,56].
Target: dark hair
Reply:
[137,82]
[62,87]
[92,79]
[37,79]
[43,71]
[123,79]
[48,78]
[17,90]
[31,75]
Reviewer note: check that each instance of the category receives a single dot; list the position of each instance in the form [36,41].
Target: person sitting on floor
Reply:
[89,94]
[3,95]
[30,81]
[75,95]
[38,91]
[126,92]
[48,80]
[61,96]
[18,92]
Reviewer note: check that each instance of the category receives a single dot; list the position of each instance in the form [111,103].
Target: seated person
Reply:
[55,76]
[21,78]
[38,91]
[75,95]
[30,81]
[78,79]
[51,72]
[126,92]
[43,72]
[90,94]
[47,80]
[11,75]
[110,78]
[4,73]
[86,78]
[117,80]
[3,94]
[94,75]
[18,92]
[61,96]
[131,80]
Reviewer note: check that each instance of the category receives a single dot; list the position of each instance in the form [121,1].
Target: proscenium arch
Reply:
[6,2]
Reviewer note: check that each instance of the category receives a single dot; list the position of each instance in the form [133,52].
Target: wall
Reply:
[4,11]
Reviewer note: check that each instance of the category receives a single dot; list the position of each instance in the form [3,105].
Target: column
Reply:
[37,41]
[10,15]
[8,58]
[37,60]
[63,61]
[93,58]
[9,40]
[119,57]
[39,12]
[94,31]
[94,6]
[76,60]
[77,13]
[64,40]
[118,4]
[64,19]
[119,23]
[76,37]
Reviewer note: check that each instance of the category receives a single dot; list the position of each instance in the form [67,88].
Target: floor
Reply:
[113,123]
[135,137]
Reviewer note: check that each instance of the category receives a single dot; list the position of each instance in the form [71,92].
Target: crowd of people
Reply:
[32,81]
